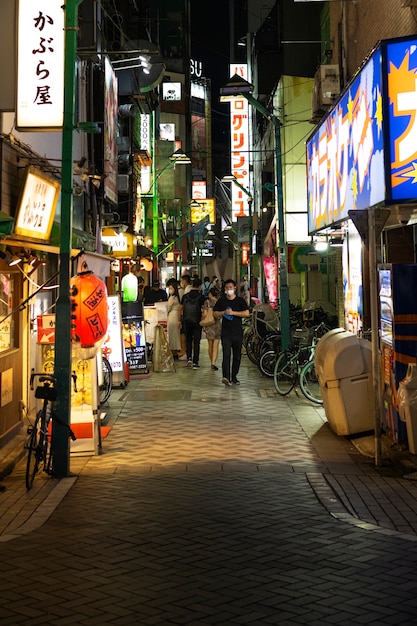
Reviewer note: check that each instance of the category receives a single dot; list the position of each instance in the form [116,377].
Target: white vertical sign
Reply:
[239,134]
[40,65]
[145,144]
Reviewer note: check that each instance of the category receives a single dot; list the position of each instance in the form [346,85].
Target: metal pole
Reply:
[62,370]
[250,230]
[283,280]
[284,297]
[373,293]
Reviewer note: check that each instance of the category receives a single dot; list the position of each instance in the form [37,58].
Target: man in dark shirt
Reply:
[191,304]
[156,294]
[231,308]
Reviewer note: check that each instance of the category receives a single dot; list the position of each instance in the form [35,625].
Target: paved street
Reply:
[211,505]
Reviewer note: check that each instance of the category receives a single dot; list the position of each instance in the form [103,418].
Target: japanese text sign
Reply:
[37,206]
[239,135]
[40,65]
[365,151]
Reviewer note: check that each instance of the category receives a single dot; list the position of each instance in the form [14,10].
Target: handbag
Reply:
[208,318]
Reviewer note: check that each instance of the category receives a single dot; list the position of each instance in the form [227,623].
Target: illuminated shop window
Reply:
[6,305]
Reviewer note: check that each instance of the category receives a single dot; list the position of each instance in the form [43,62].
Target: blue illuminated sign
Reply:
[402,119]
[345,156]
[364,153]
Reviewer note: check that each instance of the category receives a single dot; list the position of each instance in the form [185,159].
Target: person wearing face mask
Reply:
[231,309]
[174,319]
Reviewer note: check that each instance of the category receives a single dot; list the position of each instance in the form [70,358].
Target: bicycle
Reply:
[296,366]
[38,444]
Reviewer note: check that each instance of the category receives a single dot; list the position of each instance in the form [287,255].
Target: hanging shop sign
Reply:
[206,209]
[122,243]
[365,151]
[40,65]
[36,209]
[239,134]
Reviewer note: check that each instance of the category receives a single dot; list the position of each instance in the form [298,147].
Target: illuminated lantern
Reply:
[89,311]
[146,264]
[129,288]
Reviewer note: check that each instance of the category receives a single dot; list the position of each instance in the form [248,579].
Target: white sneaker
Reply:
[189,363]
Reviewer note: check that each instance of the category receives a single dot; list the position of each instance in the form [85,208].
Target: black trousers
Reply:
[192,331]
[232,351]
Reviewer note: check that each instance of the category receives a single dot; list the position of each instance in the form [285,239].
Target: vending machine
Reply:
[398,337]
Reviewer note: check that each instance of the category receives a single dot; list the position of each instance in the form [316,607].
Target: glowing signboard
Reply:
[37,205]
[345,156]
[364,152]
[402,118]
[40,65]
[239,135]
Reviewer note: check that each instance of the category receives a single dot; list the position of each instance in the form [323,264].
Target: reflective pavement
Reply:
[211,505]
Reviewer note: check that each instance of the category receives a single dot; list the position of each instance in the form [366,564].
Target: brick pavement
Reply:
[210,505]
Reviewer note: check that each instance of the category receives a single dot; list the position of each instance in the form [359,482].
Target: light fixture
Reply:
[11,259]
[321,245]
[336,241]
[180,157]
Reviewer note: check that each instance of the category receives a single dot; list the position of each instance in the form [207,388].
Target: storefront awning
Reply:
[6,224]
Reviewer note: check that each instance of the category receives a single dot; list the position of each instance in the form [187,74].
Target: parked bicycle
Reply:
[295,366]
[301,337]
[38,444]
[107,381]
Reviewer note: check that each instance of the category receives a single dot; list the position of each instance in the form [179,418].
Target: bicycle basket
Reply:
[46,393]
[265,319]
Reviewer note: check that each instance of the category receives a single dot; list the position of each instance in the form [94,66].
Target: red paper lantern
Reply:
[89,311]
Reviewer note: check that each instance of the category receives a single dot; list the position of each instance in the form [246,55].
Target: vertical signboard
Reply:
[40,65]
[110,132]
[402,118]
[239,134]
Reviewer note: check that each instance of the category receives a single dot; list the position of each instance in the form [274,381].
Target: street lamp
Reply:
[232,179]
[237,87]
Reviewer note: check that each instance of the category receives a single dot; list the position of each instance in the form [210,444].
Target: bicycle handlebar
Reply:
[49,379]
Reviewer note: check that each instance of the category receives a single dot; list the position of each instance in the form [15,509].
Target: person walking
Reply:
[231,309]
[191,315]
[174,319]
[213,332]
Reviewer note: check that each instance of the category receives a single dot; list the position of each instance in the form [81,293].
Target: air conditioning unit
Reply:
[326,89]
[123,182]
[329,78]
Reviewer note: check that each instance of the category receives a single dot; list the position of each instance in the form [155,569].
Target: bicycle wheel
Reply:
[105,387]
[272,341]
[252,349]
[309,383]
[285,372]
[267,362]
[34,452]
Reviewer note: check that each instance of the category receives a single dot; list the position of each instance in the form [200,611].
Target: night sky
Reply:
[210,45]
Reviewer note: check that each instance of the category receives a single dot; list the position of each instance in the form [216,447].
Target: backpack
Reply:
[191,308]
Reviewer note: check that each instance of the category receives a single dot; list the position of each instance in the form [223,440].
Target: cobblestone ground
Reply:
[210,505]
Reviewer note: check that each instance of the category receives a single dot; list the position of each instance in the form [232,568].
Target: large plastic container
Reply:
[343,364]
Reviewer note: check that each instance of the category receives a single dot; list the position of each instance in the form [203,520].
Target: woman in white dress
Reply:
[174,320]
